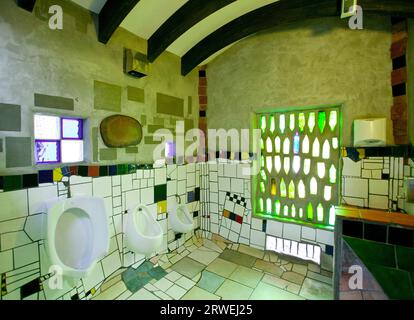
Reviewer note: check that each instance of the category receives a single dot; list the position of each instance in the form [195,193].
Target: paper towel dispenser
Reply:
[370,132]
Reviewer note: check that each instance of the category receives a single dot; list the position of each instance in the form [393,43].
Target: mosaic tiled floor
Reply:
[216,269]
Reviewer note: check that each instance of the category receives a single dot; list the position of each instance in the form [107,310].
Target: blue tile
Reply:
[113,170]
[190,196]
[45,176]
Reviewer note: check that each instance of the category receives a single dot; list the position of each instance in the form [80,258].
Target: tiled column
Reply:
[399,110]
[202,96]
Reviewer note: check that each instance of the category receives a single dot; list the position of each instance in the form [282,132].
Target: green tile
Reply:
[210,281]
[136,94]
[108,154]
[170,105]
[397,284]
[103,171]
[18,152]
[238,258]
[405,258]
[373,252]
[11,183]
[130,150]
[83,171]
[188,267]
[95,145]
[54,102]
[107,96]
[10,117]
[160,193]
[122,169]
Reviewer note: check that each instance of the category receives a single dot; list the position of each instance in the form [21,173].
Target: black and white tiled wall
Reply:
[24,263]
[375,182]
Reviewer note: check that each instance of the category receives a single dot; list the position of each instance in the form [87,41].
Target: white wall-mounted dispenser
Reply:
[370,132]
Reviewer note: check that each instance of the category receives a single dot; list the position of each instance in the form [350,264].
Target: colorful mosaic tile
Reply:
[162,207]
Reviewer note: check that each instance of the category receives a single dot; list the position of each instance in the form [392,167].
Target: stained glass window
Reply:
[300,161]
[58,140]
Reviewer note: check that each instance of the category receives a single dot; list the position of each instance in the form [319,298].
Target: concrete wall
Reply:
[410,82]
[315,62]
[66,63]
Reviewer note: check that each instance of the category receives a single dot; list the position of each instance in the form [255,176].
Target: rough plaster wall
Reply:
[312,63]
[34,58]
[410,88]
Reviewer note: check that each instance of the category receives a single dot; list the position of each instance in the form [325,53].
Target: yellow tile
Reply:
[57,175]
[162,207]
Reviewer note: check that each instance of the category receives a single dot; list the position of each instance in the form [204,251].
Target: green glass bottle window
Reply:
[293,211]
[269,164]
[326,152]
[286,164]
[273,187]
[283,191]
[315,148]
[263,175]
[278,164]
[260,205]
[335,143]
[301,190]
[306,166]
[332,174]
[292,121]
[286,146]
[291,190]
[301,213]
[282,123]
[310,211]
[302,121]
[313,186]
[277,207]
[269,145]
[262,187]
[321,121]
[321,170]
[333,119]
[285,210]
[261,144]
[319,212]
[262,161]
[272,124]
[269,206]
[327,193]
[311,121]
[263,123]
[296,143]
[277,144]
[296,164]
[305,145]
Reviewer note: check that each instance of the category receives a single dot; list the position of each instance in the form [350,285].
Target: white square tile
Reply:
[12,225]
[229,206]
[6,261]
[26,254]
[171,188]
[308,233]
[230,170]
[147,174]
[160,176]
[224,184]
[116,191]
[78,179]
[234,236]
[102,187]
[378,202]
[185,283]
[116,180]
[182,187]
[163,284]
[191,179]
[173,276]
[245,231]
[143,294]
[139,174]
[111,263]
[213,187]
[325,237]
[117,202]
[126,182]
[379,187]
[291,231]
[13,205]
[351,168]
[39,196]
[176,292]
[214,197]
[354,187]
[181,172]
[94,277]
[11,240]
[214,228]
[258,238]
[147,195]
[81,190]
[274,228]
[237,185]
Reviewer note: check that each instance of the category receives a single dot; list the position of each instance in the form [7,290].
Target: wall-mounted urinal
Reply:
[143,233]
[180,218]
[77,234]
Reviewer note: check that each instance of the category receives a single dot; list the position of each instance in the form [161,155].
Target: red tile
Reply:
[239,219]
[93,171]
[73,171]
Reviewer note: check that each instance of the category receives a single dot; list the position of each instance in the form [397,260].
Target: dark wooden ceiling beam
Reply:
[26,4]
[281,13]
[111,16]
[191,13]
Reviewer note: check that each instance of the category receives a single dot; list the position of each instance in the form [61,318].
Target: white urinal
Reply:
[180,218]
[143,234]
[77,234]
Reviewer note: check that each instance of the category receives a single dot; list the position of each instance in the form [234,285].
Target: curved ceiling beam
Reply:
[182,20]
[111,17]
[279,13]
